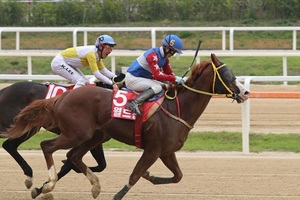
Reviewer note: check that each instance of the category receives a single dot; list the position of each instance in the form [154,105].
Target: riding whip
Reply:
[196,53]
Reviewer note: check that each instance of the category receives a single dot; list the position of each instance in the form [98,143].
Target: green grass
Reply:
[202,141]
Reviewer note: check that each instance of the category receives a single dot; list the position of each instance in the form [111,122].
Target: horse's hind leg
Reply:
[77,154]
[97,153]
[11,147]
[48,148]
[170,161]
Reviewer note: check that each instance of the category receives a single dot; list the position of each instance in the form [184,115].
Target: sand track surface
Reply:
[206,176]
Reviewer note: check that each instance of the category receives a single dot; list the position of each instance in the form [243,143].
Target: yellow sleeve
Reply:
[91,58]
[100,64]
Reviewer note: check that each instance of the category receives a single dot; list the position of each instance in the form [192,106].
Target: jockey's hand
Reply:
[118,84]
[179,80]
[119,78]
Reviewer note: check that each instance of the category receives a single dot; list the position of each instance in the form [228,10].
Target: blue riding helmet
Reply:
[173,41]
[105,39]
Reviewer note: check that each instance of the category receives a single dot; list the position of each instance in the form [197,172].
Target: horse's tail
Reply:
[37,114]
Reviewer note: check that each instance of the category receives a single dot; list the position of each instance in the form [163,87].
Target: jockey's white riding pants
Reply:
[141,84]
[61,68]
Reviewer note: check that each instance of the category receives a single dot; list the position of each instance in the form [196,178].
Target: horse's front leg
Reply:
[170,161]
[147,159]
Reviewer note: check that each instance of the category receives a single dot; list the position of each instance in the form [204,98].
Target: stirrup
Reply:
[133,107]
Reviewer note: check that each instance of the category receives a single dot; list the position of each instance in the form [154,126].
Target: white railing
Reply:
[120,53]
[152,30]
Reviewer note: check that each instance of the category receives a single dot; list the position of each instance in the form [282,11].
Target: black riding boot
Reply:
[134,104]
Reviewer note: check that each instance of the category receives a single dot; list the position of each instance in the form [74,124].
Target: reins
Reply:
[216,74]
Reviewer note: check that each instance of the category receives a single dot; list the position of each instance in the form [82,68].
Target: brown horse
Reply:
[87,110]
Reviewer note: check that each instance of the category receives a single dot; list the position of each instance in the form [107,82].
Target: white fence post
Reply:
[153,37]
[29,65]
[294,40]
[231,39]
[113,64]
[284,68]
[246,120]
[17,40]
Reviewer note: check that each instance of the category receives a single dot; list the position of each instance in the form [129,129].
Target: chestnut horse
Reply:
[17,96]
[82,112]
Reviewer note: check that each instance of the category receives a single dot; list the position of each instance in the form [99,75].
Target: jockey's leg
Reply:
[133,105]
[148,86]
[61,68]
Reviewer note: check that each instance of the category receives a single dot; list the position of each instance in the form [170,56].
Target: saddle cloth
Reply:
[55,89]
[120,99]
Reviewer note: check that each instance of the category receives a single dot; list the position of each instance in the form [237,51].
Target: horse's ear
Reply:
[215,60]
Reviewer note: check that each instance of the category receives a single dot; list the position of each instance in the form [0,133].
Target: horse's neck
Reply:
[193,105]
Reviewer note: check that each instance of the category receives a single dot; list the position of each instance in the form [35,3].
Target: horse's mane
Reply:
[197,70]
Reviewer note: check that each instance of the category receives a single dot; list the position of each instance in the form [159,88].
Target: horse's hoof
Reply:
[48,186]
[28,182]
[96,192]
[34,193]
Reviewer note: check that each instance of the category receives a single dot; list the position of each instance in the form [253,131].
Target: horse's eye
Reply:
[228,76]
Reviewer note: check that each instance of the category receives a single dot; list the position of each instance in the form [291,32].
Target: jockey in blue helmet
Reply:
[151,70]
[174,44]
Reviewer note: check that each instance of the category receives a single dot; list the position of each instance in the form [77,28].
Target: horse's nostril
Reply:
[247,93]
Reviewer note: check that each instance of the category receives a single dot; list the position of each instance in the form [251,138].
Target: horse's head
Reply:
[222,78]
[225,82]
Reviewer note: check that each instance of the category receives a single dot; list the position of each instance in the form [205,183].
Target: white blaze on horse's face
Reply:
[244,92]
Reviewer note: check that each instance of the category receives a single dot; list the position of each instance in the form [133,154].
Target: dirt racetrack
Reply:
[207,176]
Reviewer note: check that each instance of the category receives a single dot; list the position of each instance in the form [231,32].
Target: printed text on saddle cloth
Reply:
[118,105]
[55,90]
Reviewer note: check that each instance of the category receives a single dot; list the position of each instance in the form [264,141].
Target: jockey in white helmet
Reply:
[67,63]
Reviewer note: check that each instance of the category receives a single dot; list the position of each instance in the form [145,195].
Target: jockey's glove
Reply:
[118,79]
[179,80]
